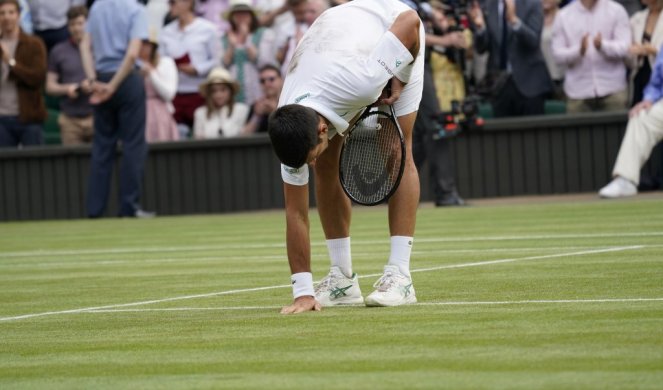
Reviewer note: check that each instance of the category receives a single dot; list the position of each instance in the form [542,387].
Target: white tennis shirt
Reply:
[343,63]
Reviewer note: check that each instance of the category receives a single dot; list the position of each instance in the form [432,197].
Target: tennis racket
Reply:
[372,157]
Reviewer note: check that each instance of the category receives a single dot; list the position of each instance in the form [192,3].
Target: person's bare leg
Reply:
[403,204]
[334,206]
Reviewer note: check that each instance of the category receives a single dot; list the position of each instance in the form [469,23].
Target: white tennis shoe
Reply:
[392,289]
[338,289]
[617,188]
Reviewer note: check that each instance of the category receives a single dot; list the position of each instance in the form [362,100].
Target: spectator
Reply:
[556,72]
[49,19]
[115,30]
[221,116]
[271,82]
[242,50]
[647,29]
[65,75]
[288,36]
[213,10]
[591,38]
[512,37]
[425,142]
[160,75]
[22,79]
[194,45]
[643,131]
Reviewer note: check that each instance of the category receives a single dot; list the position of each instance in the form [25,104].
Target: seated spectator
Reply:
[516,68]
[221,116]
[65,78]
[556,71]
[22,79]
[49,19]
[194,45]
[160,86]
[643,131]
[242,49]
[271,82]
[591,38]
[647,29]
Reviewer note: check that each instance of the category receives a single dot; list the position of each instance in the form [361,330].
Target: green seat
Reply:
[485,110]
[52,128]
[554,107]
[52,102]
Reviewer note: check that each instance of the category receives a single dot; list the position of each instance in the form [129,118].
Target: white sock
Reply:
[339,253]
[401,248]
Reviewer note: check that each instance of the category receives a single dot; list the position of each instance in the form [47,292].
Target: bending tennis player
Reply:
[342,65]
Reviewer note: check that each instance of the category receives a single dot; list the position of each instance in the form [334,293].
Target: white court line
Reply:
[50,253]
[185,297]
[443,303]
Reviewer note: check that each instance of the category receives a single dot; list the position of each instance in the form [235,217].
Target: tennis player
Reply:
[343,64]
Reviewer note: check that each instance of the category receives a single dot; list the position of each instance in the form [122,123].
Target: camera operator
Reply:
[510,30]
[426,127]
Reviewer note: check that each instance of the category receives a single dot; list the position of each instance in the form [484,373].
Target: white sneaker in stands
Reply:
[617,188]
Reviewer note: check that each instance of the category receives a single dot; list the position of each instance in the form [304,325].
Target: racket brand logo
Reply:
[384,65]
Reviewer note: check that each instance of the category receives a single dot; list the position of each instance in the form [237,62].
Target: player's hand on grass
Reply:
[301,305]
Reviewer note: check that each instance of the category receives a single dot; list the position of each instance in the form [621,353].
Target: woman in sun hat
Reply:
[242,49]
[221,115]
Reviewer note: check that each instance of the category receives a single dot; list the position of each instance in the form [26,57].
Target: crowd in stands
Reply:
[214,68]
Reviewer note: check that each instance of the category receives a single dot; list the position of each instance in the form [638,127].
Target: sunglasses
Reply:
[267,79]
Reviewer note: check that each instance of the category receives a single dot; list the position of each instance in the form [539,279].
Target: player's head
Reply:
[294,131]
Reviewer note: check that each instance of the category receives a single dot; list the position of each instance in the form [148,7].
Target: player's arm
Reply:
[298,245]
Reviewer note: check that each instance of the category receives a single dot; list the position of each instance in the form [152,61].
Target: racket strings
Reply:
[371,159]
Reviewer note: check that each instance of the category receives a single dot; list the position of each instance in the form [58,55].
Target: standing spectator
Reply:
[242,54]
[65,75]
[160,75]
[271,82]
[221,116]
[643,131]
[288,36]
[213,10]
[550,8]
[511,35]
[592,38]
[647,29]
[195,46]
[425,145]
[22,79]
[115,31]
[49,19]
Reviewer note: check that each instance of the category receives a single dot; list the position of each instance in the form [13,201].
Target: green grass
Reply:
[559,295]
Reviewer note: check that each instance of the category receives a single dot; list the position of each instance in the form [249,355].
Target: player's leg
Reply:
[340,286]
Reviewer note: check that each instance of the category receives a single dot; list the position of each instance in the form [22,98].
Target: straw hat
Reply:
[219,75]
[239,5]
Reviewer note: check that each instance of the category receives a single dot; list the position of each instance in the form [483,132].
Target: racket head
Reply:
[372,158]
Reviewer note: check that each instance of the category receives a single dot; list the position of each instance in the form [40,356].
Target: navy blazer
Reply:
[528,66]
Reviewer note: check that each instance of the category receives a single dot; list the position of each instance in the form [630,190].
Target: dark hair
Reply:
[270,67]
[15,2]
[255,23]
[75,12]
[293,130]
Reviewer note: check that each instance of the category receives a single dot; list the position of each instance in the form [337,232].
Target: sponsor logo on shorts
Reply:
[398,63]
[292,171]
[384,65]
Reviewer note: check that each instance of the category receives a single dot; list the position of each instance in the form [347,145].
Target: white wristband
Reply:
[302,284]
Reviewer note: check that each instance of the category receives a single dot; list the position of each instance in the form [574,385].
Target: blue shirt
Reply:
[654,89]
[112,24]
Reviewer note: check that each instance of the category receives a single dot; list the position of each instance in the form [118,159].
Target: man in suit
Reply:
[510,30]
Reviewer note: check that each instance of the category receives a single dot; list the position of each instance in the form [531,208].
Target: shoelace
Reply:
[385,282]
[325,283]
